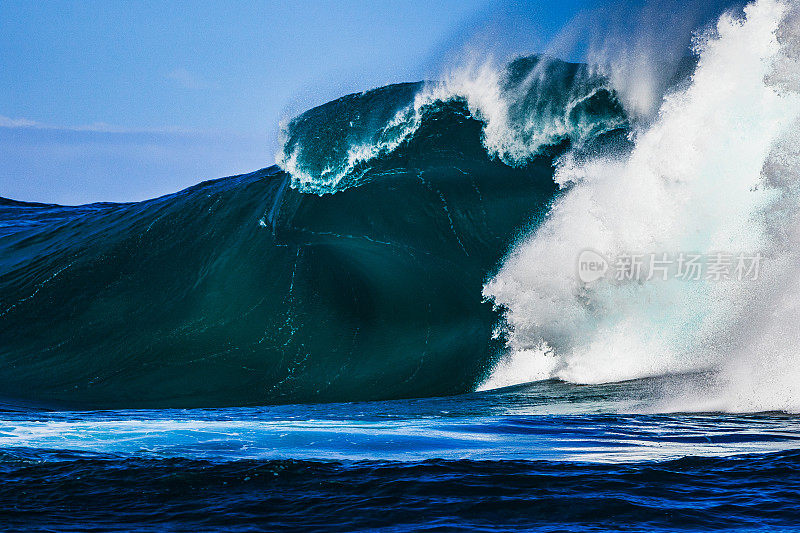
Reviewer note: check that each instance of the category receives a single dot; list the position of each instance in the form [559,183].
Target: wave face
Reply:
[260,289]
[716,172]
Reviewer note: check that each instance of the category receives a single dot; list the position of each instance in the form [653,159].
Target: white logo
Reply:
[592,266]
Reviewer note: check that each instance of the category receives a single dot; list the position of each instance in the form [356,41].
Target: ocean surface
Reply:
[549,456]
[395,328]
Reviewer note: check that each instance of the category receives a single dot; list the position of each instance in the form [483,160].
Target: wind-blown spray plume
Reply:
[711,174]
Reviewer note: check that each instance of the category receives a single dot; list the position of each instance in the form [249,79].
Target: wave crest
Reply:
[532,103]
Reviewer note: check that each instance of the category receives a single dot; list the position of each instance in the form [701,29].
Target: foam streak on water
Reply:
[545,421]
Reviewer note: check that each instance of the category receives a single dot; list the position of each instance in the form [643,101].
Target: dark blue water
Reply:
[544,457]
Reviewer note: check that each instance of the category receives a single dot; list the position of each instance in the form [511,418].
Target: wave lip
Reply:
[532,104]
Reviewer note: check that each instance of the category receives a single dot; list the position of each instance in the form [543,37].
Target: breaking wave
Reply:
[716,172]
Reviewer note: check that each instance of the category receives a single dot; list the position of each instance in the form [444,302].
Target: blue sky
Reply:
[117,101]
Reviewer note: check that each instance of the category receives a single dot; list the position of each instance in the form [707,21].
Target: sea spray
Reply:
[692,183]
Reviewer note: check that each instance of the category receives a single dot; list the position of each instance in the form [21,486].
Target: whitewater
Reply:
[716,171]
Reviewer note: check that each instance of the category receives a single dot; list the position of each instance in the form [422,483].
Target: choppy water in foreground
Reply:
[548,456]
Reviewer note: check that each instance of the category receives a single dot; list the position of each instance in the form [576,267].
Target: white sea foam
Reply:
[718,170]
